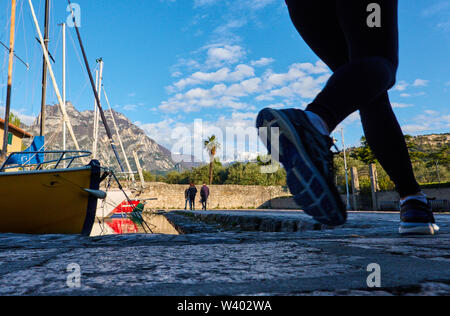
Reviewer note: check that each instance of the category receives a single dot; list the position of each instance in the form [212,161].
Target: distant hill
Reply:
[422,143]
[430,142]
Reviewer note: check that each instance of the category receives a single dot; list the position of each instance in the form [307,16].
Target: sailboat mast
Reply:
[10,74]
[64,82]
[52,76]
[96,111]
[95,118]
[44,68]
[97,97]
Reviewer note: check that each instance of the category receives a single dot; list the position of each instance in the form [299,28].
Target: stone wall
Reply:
[392,199]
[171,197]
[222,196]
[440,194]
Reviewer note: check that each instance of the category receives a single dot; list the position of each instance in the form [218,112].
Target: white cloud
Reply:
[401,86]
[224,55]
[251,85]
[243,4]
[296,71]
[420,83]
[416,94]
[225,30]
[301,81]
[160,131]
[176,74]
[24,118]
[258,4]
[431,112]
[414,128]
[130,107]
[401,105]
[236,133]
[355,117]
[219,96]
[262,62]
[202,3]
[429,121]
[241,72]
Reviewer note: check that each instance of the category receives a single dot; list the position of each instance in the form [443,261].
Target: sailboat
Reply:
[37,195]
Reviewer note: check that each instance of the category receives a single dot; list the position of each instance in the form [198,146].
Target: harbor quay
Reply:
[224,253]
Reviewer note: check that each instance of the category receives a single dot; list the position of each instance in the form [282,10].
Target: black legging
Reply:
[364,61]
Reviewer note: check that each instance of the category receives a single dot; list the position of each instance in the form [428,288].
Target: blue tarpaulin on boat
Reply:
[24,159]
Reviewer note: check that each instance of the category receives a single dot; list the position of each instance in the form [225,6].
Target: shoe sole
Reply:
[309,187]
[436,228]
[417,229]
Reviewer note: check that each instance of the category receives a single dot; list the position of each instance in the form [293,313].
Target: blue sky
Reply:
[171,62]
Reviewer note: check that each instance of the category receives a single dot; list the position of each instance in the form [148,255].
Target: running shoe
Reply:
[307,157]
[417,219]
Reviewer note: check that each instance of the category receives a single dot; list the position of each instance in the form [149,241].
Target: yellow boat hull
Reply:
[50,201]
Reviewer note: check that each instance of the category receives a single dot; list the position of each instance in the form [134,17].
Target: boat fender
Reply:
[97,193]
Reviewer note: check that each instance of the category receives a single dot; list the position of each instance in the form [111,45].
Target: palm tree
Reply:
[211,145]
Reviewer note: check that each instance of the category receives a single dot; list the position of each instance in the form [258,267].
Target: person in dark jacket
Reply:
[204,194]
[186,198]
[192,193]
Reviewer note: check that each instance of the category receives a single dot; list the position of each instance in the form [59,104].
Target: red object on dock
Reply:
[126,207]
[123,226]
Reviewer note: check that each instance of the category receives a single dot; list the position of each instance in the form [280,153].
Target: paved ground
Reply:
[221,262]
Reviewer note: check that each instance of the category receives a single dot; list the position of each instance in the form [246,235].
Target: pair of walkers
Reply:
[358,40]
[191,193]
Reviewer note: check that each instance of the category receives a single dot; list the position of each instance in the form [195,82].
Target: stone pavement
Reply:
[228,261]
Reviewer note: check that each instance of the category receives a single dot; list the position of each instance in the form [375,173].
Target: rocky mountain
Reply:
[152,156]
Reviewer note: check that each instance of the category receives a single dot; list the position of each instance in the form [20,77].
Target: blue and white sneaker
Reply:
[305,153]
[417,219]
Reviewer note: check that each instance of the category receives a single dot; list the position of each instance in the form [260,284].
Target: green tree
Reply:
[364,153]
[173,177]
[148,176]
[275,175]
[439,157]
[14,120]
[416,154]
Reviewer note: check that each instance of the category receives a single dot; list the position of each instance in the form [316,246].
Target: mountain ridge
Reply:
[152,156]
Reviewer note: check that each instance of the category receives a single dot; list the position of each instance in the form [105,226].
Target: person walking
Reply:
[192,193]
[204,194]
[186,198]
[358,41]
